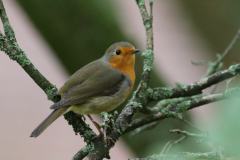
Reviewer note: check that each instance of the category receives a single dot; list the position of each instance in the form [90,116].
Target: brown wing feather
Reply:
[100,83]
[47,122]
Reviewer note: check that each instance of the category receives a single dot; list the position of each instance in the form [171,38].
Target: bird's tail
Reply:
[48,121]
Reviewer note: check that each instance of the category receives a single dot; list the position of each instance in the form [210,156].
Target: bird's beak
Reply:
[134,51]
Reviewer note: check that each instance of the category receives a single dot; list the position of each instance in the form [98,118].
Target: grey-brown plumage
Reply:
[94,88]
[49,120]
[87,84]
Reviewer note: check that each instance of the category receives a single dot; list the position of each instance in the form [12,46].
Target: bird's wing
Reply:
[101,82]
[81,75]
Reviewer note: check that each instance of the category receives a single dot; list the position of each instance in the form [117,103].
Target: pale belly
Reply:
[100,104]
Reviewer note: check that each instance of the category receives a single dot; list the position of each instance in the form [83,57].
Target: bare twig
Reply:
[188,134]
[215,65]
[183,156]
[190,124]
[143,128]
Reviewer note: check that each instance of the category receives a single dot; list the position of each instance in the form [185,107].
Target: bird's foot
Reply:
[107,139]
[84,118]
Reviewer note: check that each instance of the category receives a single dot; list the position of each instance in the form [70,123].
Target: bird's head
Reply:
[121,54]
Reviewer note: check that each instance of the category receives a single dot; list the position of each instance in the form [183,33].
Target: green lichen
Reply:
[115,112]
[34,68]
[176,110]
[148,58]
[208,155]
[105,116]
[51,91]
[136,105]
[119,131]
[167,91]
[143,93]
[232,92]
[88,148]
[151,1]
[147,25]
[149,92]
[197,100]
[88,134]
[160,93]
[9,31]
[20,58]
[232,69]
[164,103]
[108,120]
[141,2]
[183,106]
[124,127]
[153,157]
[183,86]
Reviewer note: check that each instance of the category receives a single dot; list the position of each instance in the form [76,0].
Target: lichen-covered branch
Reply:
[175,110]
[188,134]
[8,44]
[96,149]
[82,153]
[139,99]
[161,93]
[183,156]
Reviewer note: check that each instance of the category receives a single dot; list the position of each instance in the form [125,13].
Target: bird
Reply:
[99,86]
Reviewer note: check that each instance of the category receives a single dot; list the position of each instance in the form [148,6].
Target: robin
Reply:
[101,85]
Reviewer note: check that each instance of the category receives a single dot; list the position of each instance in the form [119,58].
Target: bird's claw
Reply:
[106,141]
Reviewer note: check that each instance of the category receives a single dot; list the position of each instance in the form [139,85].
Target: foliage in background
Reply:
[80,32]
[217,21]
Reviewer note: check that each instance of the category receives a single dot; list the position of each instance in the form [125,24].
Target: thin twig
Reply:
[174,110]
[190,124]
[144,128]
[213,68]
[157,94]
[82,153]
[170,144]
[125,118]
[188,134]
[183,156]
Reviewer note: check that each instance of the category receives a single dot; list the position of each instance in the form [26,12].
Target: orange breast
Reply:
[125,64]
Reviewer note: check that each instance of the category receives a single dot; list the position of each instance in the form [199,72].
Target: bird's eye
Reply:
[118,52]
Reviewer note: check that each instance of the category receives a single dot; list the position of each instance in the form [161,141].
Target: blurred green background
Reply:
[80,32]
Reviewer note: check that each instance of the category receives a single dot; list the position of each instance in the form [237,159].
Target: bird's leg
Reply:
[84,119]
[82,116]
[96,125]
[100,132]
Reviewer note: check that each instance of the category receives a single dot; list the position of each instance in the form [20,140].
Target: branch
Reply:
[176,110]
[82,153]
[139,99]
[183,156]
[188,134]
[213,67]
[143,128]
[161,93]
[8,44]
